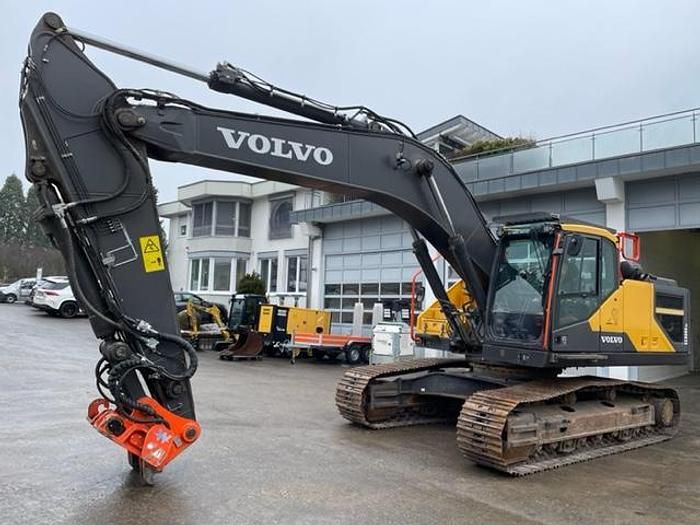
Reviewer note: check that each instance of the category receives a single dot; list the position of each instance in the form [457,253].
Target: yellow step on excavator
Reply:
[539,293]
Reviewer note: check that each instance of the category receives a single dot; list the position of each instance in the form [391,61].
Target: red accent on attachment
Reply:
[155,443]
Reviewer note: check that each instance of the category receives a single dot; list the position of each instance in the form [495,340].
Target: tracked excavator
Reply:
[539,293]
[189,320]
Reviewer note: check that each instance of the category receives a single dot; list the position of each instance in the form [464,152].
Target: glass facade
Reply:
[221,218]
[215,273]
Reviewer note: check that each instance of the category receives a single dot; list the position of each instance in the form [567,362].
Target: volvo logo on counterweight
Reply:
[276,147]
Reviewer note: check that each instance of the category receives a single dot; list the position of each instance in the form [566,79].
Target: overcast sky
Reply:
[534,68]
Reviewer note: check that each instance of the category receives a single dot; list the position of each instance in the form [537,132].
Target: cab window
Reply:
[608,268]
[577,296]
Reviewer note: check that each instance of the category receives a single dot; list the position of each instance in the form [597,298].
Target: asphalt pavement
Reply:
[275,450]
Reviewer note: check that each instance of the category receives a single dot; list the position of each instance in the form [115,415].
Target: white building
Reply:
[220,230]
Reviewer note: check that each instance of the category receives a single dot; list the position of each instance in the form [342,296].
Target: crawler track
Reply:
[482,425]
[351,393]
[550,414]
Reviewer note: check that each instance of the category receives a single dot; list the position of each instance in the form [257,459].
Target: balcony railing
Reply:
[663,131]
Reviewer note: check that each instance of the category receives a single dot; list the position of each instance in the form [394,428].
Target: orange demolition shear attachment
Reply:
[151,445]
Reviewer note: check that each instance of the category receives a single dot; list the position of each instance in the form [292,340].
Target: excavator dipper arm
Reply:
[88,145]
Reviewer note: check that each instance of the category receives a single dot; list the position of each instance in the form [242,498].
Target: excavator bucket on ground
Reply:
[247,345]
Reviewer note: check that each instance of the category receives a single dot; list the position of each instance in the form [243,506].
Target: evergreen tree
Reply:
[34,235]
[251,283]
[13,225]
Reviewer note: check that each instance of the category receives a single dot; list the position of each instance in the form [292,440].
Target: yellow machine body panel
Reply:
[298,319]
[307,320]
[266,318]
[630,310]
[590,229]
[432,322]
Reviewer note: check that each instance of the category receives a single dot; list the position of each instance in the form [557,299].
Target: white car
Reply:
[17,290]
[56,298]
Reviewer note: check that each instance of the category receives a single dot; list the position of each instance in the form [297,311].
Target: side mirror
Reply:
[574,245]
[629,246]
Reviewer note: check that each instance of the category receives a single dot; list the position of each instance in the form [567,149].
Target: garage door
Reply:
[366,260]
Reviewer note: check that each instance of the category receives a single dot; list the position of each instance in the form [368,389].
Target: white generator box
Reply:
[391,342]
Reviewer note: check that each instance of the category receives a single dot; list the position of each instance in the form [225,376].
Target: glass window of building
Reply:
[182,225]
[341,298]
[204,275]
[202,219]
[297,268]
[268,272]
[215,273]
[222,275]
[280,225]
[244,219]
[194,274]
[241,269]
[225,218]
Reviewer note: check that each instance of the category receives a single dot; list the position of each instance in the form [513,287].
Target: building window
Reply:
[297,273]
[222,275]
[194,275]
[182,225]
[340,299]
[280,225]
[219,218]
[268,272]
[225,218]
[204,275]
[241,269]
[201,223]
[244,219]
[214,273]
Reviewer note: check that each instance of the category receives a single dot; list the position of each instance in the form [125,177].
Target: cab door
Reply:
[609,320]
[577,296]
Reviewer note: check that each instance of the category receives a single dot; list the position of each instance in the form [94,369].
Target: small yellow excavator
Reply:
[189,320]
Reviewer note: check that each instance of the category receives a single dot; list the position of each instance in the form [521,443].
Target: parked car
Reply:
[181,299]
[19,290]
[42,282]
[56,298]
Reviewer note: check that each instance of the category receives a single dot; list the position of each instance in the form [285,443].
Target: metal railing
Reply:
[640,136]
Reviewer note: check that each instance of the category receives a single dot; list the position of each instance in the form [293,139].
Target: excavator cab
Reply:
[245,311]
[243,322]
[565,295]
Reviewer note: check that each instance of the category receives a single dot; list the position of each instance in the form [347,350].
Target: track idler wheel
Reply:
[663,412]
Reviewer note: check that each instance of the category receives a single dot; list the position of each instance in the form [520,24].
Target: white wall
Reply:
[177,255]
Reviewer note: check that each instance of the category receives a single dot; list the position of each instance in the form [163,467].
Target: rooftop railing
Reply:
[662,131]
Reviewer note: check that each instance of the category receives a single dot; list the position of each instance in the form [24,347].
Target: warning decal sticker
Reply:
[151,253]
